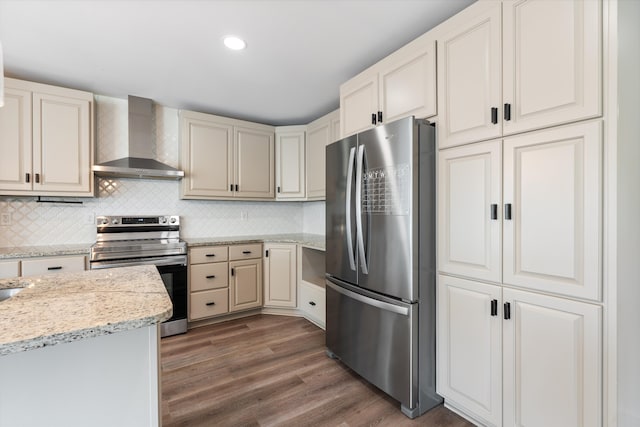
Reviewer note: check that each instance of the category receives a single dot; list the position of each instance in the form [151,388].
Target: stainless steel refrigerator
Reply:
[380,259]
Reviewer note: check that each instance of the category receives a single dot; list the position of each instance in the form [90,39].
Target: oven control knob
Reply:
[105,221]
[114,221]
[173,220]
[163,220]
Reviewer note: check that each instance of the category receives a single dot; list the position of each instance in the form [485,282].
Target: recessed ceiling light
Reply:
[234,43]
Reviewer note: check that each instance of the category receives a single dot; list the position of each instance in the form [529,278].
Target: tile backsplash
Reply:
[32,223]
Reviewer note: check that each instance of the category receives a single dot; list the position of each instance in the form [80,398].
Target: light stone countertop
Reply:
[313,241]
[38,251]
[66,307]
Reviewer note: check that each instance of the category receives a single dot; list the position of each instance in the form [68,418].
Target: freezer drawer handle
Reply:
[370,301]
[347,210]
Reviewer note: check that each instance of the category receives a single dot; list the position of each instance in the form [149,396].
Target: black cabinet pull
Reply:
[210,303]
[507,311]
[278,189]
[37,178]
[494,211]
[210,255]
[494,115]
[373,118]
[57,267]
[230,187]
[246,252]
[237,187]
[379,116]
[266,253]
[507,211]
[312,303]
[28,178]
[494,307]
[507,112]
[211,277]
[233,271]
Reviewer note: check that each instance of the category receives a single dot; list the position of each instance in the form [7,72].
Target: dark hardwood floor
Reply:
[271,371]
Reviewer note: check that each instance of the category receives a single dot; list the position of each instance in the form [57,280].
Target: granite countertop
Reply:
[313,241]
[66,307]
[38,251]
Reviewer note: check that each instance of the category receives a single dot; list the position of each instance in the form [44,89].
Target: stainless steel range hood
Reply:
[140,163]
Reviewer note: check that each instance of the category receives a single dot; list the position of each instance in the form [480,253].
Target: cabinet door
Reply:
[15,134]
[469,347]
[245,284]
[552,62]
[469,197]
[59,264]
[207,158]
[280,275]
[552,362]
[318,137]
[408,82]
[255,171]
[469,75]
[290,164]
[62,144]
[553,183]
[358,101]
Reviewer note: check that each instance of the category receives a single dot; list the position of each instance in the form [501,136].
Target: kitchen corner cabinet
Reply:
[290,163]
[542,353]
[226,158]
[400,85]
[320,133]
[47,141]
[510,67]
[549,217]
[280,279]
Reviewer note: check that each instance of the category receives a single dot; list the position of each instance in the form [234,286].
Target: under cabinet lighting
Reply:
[234,43]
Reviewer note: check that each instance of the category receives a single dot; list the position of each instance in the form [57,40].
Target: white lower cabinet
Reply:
[57,264]
[9,269]
[516,358]
[312,303]
[280,275]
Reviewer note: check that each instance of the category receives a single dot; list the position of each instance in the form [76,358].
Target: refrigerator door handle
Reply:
[352,258]
[369,301]
[359,230]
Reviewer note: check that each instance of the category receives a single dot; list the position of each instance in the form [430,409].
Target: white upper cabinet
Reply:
[226,158]
[320,133]
[553,210]
[509,67]
[290,162]
[552,71]
[401,85]
[47,140]
[469,75]
[469,205]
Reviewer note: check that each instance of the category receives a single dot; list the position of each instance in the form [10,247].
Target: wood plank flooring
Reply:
[271,371]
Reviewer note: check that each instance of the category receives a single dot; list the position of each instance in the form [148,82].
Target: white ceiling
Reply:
[298,53]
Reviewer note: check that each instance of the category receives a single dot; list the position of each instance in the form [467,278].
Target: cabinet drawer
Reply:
[245,251]
[208,276]
[208,303]
[9,269]
[208,254]
[68,264]
[312,302]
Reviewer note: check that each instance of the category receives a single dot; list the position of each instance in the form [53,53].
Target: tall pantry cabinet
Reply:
[520,213]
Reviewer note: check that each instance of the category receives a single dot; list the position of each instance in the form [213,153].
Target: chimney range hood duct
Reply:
[140,163]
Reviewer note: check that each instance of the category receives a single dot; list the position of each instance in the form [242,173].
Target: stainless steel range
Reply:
[142,240]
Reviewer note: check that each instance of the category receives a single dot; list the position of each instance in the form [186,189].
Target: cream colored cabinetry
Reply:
[509,67]
[550,214]
[47,140]
[320,133]
[225,158]
[9,269]
[290,162]
[401,85]
[245,281]
[280,278]
[55,264]
[541,353]
[311,277]
[208,281]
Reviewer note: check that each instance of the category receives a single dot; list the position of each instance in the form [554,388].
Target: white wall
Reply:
[628,214]
[35,223]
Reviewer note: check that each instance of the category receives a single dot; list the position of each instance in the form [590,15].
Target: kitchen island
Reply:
[81,349]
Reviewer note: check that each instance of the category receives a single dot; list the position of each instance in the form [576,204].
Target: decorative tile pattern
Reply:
[36,224]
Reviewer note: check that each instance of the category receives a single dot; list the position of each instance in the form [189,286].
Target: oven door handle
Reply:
[178,260]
